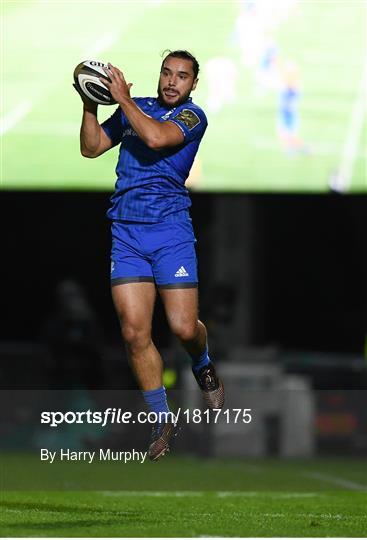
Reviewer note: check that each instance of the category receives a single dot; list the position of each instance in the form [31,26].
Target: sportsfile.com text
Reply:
[118,416]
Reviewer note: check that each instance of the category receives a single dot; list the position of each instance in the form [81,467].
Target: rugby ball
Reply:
[86,77]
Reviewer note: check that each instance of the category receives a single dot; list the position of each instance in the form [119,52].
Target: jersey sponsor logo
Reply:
[112,266]
[189,118]
[181,272]
[129,132]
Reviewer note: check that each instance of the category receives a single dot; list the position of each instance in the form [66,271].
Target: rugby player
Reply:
[153,243]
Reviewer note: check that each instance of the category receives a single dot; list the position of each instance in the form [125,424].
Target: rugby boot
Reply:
[211,386]
[161,437]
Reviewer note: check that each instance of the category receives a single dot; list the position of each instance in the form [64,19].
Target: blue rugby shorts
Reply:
[162,253]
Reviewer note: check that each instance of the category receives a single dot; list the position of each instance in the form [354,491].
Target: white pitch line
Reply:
[219,494]
[48,128]
[104,43]
[336,480]
[316,148]
[277,495]
[224,494]
[291,495]
[153,493]
[21,110]
[341,181]
[308,515]
[14,116]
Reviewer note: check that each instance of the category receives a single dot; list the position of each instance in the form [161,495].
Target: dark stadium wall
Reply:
[303,259]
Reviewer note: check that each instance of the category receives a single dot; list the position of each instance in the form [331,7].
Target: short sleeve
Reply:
[192,122]
[113,126]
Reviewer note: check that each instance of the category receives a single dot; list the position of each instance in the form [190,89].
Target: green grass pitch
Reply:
[186,497]
[40,112]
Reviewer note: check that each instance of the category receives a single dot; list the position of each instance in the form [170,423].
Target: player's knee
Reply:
[134,336]
[185,330]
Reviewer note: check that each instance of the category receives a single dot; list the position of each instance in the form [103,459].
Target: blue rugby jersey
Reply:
[151,183]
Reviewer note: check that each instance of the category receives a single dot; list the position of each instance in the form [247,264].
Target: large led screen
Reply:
[282,83]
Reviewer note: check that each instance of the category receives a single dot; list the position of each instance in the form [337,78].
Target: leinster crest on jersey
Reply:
[189,118]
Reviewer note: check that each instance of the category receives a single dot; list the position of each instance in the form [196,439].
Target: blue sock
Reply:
[156,400]
[200,361]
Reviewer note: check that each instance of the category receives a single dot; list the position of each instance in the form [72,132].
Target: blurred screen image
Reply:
[282,84]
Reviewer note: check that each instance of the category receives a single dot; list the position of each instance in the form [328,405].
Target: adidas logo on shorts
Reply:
[181,272]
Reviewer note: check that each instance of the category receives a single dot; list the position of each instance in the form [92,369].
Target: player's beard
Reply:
[181,100]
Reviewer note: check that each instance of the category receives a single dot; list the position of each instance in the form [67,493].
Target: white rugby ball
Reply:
[86,77]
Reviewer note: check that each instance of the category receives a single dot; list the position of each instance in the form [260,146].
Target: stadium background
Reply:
[283,266]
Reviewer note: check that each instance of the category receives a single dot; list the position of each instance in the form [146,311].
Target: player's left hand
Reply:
[118,87]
